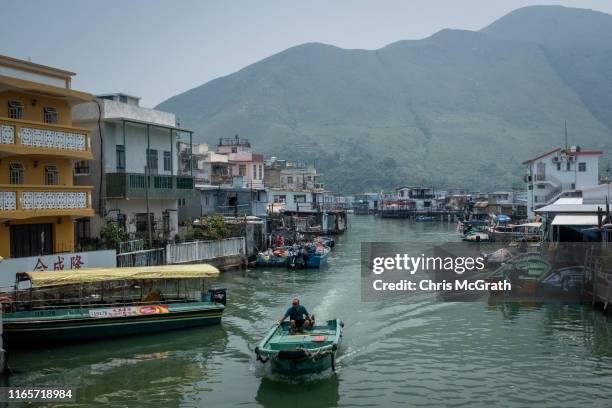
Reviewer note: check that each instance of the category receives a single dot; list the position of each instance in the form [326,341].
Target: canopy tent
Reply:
[575,227]
[531,225]
[571,220]
[79,276]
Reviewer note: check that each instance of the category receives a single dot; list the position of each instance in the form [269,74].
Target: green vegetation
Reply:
[211,227]
[459,108]
[112,235]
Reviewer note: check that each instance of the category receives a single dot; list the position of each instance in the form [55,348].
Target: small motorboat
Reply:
[327,241]
[274,257]
[423,218]
[476,236]
[525,272]
[309,256]
[312,351]
[497,258]
[564,282]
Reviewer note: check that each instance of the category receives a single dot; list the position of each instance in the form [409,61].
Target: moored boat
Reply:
[277,257]
[423,218]
[311,256]
[565,282]
[91,304]
[524,272]
[476,236]
[303,353]
[327,241]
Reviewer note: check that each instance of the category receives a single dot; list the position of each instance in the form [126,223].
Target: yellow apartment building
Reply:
[39,203]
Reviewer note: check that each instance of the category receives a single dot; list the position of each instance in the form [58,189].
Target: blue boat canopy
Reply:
[502,218]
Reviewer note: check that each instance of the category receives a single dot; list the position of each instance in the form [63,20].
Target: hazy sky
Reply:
[158,48]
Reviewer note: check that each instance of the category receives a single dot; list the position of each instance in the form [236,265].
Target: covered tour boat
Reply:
[90,304]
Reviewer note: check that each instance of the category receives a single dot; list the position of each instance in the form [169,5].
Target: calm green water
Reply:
[393,354]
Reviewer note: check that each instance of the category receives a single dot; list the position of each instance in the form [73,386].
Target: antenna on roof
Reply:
[566,135]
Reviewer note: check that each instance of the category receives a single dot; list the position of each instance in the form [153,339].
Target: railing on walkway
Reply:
[130,246]
[203,250]
[149,257]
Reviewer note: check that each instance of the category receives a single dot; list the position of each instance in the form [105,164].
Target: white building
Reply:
[422,198]
[207,166]
[135,165]
[244,163]
[292,175]
[559,173]
[299,199]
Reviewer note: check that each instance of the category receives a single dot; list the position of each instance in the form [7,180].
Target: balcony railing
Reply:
[220,179]
[21,134]
[134,185]
[43,198]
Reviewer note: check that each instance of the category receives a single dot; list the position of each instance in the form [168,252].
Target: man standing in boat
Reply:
[298,317]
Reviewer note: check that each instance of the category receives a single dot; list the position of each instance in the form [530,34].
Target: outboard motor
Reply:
[216,295]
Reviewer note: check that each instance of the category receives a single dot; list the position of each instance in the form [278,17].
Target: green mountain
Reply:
[459,108]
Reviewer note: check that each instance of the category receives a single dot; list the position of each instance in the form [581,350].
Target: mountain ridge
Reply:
[458,108]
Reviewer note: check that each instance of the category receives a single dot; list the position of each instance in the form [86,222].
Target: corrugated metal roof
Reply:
[571,208]
[575,220]
[569,200]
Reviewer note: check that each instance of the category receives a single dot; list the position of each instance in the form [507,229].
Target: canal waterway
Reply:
[394,352]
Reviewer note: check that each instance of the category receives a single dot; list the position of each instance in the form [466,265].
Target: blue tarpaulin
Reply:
[502,218]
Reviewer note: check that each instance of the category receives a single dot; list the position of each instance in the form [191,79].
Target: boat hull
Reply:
[78,326]
[301,366]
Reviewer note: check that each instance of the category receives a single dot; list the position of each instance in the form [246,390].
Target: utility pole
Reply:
[146,169]
[147,177]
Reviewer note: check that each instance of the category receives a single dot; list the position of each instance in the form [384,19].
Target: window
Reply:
[168,162]
[280,198]
[582,167]
[81,167]
[83,228]
[16,173]
[123,99]
[541,186]
[535,199]
[569,166]
[141,222]
[15,110]
[50,115]
[152,159]
[234,150]
[299,198]
[120,149]
[289,179]
[261,172]
[51,175]
[558,166]
[254,172]
[242,170]
[541,172]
